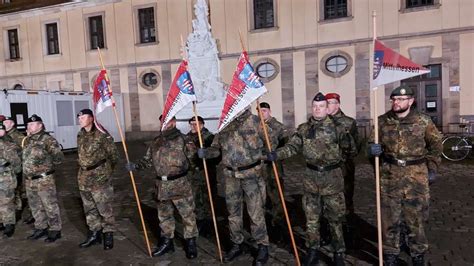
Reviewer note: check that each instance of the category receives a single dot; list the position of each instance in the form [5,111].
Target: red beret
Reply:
[333,96]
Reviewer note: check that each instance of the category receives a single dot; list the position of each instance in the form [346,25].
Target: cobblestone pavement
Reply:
[450,228]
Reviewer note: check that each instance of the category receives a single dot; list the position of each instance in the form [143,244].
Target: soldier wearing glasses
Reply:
[410,148]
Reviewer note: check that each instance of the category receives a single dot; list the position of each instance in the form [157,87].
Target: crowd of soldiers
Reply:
[409,149]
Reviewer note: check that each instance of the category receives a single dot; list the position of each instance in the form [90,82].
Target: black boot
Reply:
[108,240]
[93,238]
[2,227]
[233,253]
[339,259]
[37,234]
[312,257]
[262,255]
[418,260]
[191,248]
[165,246]
[390,260]
[9,230]
[29,220]
[53,236]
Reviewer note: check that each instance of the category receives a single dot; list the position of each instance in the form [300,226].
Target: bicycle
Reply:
[457,148]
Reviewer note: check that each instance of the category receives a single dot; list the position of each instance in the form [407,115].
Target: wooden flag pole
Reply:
[377,159]
[132,178]
[277,177]
[201,145]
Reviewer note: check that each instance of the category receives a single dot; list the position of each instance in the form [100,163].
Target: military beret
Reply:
[34,118]
[402,91]
[2,127]
[333,96]
[264,105]
[319,97]
[2,118]
[85,112]
[200,119]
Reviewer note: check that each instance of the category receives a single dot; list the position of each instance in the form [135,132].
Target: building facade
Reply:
[298,47]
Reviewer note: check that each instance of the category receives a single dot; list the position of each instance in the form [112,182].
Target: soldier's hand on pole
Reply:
[272,156]
[131,166]
[375,150]
[202,153]
[431,176]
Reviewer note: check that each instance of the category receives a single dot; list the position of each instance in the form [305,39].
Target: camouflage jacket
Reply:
[10,154]
[350,126]
[16,136]
[321,141]
[41,153]
[207,138]
[92,148]
[412,137]
[169,153]
[240,143]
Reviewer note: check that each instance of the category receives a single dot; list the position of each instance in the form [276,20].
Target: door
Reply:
[67,106]
[19,113]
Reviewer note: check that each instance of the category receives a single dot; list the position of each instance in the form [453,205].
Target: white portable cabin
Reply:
[58,111]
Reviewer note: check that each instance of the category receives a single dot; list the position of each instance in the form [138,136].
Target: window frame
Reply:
[47,50]
[267,60]
[405,9]
[16,45]
[149,27]
[251,17]
[87,20]
[149,71]
[323,19]
[332,54]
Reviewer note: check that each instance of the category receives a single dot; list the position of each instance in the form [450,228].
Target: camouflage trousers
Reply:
[201,196]
[405,198]
[21,200]
[43,202]
[177,193]
[272,194]
[333,207]
[97,204]
[249,189]
[348,171]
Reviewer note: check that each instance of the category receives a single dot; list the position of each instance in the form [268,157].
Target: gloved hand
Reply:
[431,176]
[131,166]
[202,153]
[375,150]
[272,156]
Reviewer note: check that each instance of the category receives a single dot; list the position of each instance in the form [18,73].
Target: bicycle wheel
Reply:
[455,148]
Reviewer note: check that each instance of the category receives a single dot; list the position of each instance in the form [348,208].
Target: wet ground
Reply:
[450,229]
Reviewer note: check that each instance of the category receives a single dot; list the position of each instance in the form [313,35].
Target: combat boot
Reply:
[390,260]
[93,238]
[191,248]
[262,255]
[2,227]
[339,259]
[53,236]
[312,257]
[108,240]
[418,260]
[166,246]
[9,230]
[233,253]
[37,234]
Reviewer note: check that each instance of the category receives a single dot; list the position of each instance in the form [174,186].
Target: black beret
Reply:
[34,118]
[200,119]
[402,91]
[319,97]
[264,105]
[2,127]
[85,112]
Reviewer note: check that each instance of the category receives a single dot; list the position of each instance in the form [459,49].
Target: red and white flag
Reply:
[245,88]
[389,66]
[181,93]
[102,97]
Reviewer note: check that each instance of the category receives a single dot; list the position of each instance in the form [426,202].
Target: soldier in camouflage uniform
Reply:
[410,148]
[170,155]
[21,200]
[322,141]
[348,168]
[278,136]
[241,145]
[98,156]
[197,178]
[10,166]
[41,155]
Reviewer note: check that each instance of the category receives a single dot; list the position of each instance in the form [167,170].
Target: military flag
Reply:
[245,88]
[389,66]
[102,96]
[181,93]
